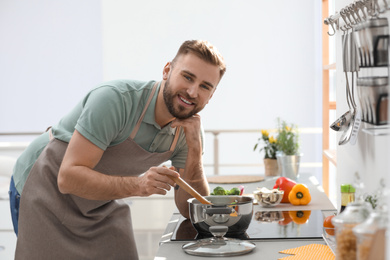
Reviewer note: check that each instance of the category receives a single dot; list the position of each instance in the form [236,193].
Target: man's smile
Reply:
[185,101]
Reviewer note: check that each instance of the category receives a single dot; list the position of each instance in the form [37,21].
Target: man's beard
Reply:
[178,113]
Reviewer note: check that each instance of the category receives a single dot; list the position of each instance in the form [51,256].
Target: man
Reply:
[110,147]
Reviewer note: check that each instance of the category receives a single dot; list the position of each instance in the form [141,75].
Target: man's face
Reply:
[190,84]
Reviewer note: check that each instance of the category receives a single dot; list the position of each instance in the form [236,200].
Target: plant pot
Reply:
[271,167]
[289,165]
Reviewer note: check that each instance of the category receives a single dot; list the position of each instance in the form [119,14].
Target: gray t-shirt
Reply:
[106,117]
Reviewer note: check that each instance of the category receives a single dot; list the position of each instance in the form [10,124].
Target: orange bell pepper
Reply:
[299,195]
[300,217]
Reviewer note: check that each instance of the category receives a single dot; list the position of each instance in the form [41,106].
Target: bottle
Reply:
[347,195]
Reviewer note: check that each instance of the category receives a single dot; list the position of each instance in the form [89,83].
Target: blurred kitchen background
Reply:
[53,52]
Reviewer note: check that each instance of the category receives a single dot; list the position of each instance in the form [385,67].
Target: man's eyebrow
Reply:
[194,76]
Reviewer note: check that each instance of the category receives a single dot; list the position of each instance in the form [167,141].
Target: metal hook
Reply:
[355,6]
[348,13]
[372,8]
[360,5]
[346,25]
[330,22]
[353,12]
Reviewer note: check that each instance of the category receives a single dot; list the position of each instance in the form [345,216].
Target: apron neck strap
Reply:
[135,130]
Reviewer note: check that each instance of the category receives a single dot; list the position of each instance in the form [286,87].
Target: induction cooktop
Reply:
[265,225]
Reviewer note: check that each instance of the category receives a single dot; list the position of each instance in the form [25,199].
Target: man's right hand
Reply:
[156,181]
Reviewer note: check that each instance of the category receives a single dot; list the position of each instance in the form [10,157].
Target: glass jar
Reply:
[354,214]
[373,227]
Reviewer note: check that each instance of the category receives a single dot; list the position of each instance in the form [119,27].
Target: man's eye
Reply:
[205,87]
[187,78]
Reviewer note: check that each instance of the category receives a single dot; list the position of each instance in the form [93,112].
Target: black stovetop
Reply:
[265,225]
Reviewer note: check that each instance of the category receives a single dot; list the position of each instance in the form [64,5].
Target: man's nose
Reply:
[192,90]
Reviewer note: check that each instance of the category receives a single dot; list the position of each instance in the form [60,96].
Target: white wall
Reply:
[50,55]
[55,52]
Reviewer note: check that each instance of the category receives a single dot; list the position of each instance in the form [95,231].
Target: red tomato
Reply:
[328,225]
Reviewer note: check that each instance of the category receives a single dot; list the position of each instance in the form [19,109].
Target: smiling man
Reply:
[111,146]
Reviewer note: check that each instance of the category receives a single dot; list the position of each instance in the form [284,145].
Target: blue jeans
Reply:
[14,200]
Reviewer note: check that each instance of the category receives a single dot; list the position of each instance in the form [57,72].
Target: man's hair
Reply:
[204,50]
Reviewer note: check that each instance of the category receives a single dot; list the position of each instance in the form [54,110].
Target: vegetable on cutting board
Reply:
[284,184]
[299,195]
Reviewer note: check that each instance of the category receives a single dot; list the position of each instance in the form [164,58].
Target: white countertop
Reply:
[265,249]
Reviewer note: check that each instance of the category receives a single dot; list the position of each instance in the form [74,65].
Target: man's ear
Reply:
[166,70]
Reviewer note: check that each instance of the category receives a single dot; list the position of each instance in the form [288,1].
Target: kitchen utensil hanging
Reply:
[371,35]
[342,123]
[355,70]
[349,122]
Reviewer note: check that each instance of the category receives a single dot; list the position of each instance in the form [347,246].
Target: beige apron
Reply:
[57,226]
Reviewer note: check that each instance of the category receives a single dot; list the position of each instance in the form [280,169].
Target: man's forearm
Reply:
[90,184]
[193,174]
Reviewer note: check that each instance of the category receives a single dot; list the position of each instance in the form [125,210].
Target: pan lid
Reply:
[218,245]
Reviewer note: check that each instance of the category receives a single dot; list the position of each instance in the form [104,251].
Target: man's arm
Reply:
[76,175]
[193,173]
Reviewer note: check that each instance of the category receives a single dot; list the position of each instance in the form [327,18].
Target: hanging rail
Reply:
[354,13]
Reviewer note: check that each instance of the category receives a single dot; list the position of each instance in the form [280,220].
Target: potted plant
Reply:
[287,155]
[269,146]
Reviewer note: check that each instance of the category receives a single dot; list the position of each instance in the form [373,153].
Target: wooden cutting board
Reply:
[234,178]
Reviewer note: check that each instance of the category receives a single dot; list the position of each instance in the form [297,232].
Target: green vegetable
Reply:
[219,191]
[234,191]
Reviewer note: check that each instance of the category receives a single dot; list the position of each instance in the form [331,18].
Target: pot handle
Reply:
[218,231]
[212,211]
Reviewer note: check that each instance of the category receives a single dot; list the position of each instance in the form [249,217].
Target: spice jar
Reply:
[374,227]
[354,214]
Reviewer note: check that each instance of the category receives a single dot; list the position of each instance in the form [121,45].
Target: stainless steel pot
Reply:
[235,212]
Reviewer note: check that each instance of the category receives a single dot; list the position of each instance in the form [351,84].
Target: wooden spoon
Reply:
[185,186]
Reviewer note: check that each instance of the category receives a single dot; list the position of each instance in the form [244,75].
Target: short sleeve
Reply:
[103,116]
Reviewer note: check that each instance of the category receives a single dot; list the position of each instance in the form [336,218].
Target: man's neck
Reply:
[161,113]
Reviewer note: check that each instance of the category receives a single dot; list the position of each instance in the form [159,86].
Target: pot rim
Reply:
[243,200]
